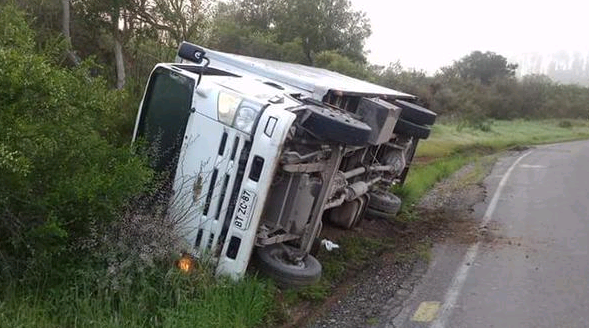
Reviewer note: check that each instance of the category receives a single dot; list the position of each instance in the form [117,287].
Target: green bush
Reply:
[334,61]
[566,124]
[62,177]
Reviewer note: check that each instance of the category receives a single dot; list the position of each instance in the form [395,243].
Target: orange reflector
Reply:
[185,263]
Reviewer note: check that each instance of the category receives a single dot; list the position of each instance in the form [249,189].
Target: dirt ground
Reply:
[377,288]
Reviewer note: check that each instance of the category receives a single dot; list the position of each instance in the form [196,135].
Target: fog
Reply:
[429,34]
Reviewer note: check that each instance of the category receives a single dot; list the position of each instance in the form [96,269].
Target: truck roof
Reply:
[317,82]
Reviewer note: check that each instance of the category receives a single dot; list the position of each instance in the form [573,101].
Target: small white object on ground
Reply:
[329,245]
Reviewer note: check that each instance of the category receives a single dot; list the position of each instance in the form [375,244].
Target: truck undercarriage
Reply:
[337,164]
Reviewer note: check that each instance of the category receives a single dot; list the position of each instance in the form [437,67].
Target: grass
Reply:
[174,300]
[448,140]
[423,176]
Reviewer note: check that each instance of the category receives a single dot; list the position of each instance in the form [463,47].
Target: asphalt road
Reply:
[530,267]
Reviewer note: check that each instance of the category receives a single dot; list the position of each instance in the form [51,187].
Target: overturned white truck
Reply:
[261,153]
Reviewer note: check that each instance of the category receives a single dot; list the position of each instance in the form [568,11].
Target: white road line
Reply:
[502,183]
[471,254]
[526,166]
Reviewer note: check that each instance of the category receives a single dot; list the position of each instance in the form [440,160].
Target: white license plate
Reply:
[245,206]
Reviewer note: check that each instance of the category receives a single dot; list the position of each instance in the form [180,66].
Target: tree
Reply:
[535,92]
[259,14]
[308,26]
[484,67]
[108,17]
[411,81]
[324,25]
[176,20]
[333,61]
[65,30]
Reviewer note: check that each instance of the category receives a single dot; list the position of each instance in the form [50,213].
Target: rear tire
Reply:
[384,201]
[372,213]
[411,129]
[415,113]
[274,262]
[383,205]
[336,126]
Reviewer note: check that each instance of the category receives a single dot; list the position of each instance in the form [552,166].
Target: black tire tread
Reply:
[379,214]
[411,129]
[285,276]
[336,126]
[416,114]
[385,202]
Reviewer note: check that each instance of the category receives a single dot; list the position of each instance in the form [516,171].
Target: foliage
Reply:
[484,66]
[410,81]
[326,33]
[310,26]
[334,61]
[324,25]
[482,86]
[73,249]
[62,175]
[175,20]
[248,41]
[565,124]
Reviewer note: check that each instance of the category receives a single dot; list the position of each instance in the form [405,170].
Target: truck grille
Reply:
[235,191]
[222,193]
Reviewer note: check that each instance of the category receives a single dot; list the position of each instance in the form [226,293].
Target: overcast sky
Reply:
[428,34]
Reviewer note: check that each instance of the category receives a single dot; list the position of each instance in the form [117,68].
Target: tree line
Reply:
[127,37]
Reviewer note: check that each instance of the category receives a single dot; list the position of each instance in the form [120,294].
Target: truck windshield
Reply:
[164,115]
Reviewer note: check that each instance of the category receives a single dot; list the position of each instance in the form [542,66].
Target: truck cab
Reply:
[260,154]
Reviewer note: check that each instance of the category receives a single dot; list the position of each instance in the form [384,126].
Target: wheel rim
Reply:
[280,256]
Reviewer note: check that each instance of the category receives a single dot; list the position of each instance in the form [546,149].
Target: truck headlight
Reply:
[237,112]
[246,117]
[227,105]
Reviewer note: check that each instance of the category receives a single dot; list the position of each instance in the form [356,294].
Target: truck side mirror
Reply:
[191,52]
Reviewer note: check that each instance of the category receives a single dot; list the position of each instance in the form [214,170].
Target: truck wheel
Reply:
[275,263]
[411,129]
[383,201]
[409,159]
[372,213]
[415,113]
[336,126]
